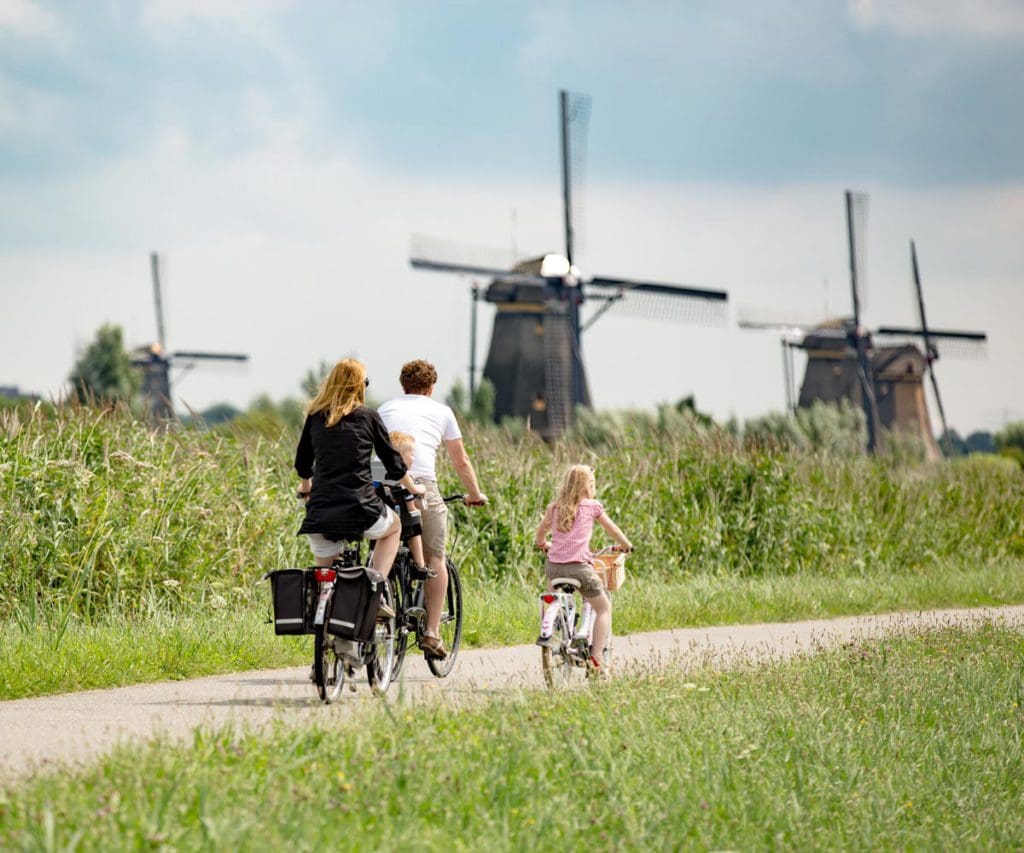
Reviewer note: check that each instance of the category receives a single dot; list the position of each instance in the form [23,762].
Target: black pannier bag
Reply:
[292,591]
[357,594]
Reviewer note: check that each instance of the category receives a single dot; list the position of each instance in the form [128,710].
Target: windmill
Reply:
[156,362]
[882,371]
[535,359]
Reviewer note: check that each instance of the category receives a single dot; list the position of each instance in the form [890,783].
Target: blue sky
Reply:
[279,154]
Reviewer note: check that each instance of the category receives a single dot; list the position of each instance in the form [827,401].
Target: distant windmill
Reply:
[535,359]
[843,361]
[156,362]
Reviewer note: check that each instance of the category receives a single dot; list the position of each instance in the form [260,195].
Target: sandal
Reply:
[432,646]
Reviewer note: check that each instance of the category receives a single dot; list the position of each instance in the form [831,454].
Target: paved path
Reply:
[38,733]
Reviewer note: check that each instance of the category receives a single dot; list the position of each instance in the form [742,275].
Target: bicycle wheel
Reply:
[403,628]
[380,659]
[555,662]
[328,671]
[451,624]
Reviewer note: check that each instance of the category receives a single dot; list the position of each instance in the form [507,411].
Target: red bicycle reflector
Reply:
[548,598]
[324,575]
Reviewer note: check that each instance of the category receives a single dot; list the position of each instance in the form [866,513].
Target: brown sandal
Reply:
[432,646]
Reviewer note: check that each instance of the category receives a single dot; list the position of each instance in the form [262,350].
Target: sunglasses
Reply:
[366,383]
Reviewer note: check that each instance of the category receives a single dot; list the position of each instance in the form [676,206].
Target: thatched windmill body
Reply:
[535,358]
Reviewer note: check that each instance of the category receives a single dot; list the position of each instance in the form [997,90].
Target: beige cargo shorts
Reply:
[434,518]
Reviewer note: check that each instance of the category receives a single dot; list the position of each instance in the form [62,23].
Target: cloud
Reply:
[997,20]
[160,16]
[26,19]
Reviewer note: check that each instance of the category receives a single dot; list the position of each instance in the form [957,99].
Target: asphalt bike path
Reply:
[46,732]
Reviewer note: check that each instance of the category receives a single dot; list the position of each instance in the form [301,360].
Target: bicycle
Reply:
[406,587]
[566,631]
[336,659]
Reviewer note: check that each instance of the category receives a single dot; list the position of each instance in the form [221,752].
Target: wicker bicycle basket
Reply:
[611,568]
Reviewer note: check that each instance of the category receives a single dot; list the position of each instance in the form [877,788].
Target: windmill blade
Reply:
[929,348]
[948,343]
[574,113]
[430,253]
[856,233]
[652,300]
[185,355]
[154,264]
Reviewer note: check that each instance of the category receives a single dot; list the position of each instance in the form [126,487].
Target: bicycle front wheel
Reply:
[451,624]
[380,662]
[328,671]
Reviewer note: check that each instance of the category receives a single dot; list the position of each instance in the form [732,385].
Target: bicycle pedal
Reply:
[547,642]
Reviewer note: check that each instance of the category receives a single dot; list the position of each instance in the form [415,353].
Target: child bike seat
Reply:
[565,584]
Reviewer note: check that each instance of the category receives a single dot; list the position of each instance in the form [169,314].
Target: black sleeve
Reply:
[304,452]
[387,454]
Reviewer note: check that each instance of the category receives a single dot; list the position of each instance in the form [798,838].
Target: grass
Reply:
[164,645]
[912,742]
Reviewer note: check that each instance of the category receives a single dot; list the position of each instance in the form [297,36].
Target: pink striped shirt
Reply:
[573,546]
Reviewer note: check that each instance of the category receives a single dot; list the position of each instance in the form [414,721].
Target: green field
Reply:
[133,555]
[913,742]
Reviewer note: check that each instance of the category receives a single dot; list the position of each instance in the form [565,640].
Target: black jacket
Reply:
[343,503]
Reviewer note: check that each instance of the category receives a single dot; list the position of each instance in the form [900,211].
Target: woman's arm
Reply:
[304,455]
[613,530]
[387,454]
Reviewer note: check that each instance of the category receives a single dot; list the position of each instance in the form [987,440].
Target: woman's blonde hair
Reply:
[342,392]
[577,485]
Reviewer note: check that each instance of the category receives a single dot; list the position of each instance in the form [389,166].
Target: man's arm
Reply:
[464,468]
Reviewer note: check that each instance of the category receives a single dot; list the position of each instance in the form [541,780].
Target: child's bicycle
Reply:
[566,630]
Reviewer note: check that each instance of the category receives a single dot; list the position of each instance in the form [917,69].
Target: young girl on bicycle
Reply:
[570,519]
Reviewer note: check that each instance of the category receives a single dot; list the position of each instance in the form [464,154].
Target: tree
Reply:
[1009,441]
[479,410]
[104,371]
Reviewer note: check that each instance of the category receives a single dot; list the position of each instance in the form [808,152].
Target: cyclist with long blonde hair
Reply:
[570,520]
[333,463]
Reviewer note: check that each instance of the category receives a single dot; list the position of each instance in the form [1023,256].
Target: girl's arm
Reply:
[540,540]
[613,530]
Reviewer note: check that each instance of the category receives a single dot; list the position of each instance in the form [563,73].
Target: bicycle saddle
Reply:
[565,584]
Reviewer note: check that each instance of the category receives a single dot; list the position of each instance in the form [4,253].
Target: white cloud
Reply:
[967,19]
[26,19]
[159,16]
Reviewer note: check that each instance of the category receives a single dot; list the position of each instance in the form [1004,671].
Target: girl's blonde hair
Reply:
[577,485]
[402,441]
[342,392]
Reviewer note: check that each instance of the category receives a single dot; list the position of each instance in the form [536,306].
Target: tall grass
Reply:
[102,515]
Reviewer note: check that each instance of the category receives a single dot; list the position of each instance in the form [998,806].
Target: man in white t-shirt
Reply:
[432,424]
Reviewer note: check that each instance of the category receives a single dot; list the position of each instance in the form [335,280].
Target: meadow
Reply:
[911,742]
[130,554]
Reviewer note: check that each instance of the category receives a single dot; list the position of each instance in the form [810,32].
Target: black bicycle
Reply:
[407,589]
[335,660]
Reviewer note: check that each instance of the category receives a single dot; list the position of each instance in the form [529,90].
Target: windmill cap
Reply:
[554,266]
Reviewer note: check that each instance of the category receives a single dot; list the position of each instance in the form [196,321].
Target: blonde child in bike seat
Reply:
[405,444]
[570,520]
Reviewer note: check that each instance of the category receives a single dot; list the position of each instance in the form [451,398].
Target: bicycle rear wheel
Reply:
[328,670]
[403,628]
[555,662]
[380,661]
[451,624]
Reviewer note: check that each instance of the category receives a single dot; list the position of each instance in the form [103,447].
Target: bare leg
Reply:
[436,588]
[416,549]
[386,548]
[603,612]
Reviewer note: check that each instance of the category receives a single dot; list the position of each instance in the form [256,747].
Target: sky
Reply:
[279,155]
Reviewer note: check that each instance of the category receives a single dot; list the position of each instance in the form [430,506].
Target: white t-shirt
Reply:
[426,420]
